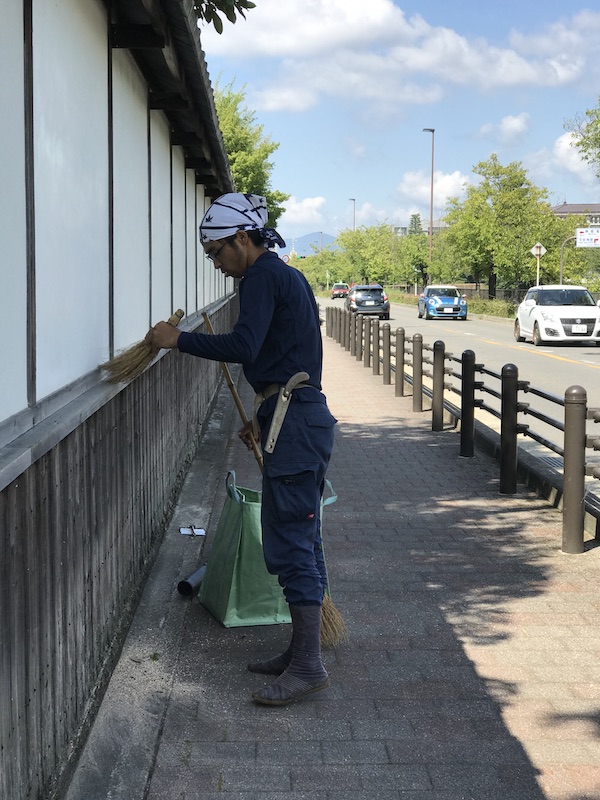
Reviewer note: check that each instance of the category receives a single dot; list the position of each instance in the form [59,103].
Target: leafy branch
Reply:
[208,11]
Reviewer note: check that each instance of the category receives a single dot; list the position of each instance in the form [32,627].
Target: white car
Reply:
[558,313]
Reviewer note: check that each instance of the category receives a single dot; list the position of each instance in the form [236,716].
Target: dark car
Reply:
[368,300]
[339,290]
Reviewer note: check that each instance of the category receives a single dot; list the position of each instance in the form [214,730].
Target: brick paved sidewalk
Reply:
[474,654]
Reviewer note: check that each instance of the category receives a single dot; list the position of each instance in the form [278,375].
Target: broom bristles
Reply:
[132,362]
[333,627]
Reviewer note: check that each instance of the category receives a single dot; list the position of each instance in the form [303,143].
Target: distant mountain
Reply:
[306,245]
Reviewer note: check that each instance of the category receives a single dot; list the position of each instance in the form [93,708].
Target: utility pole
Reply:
[432,132]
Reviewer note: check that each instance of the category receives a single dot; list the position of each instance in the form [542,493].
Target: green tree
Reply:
[208,11]
[586,136]
[415,226]
[249,151]
[370,252]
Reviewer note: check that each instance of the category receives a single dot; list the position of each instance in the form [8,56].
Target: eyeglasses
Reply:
[214,254]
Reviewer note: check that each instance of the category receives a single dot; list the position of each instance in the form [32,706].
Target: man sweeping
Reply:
[277,340]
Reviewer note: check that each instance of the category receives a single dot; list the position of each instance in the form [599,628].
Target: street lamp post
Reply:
[562,252]
[432,132]
[353,199]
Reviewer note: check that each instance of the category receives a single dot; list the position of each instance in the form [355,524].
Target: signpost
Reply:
[588,237]
[538,251]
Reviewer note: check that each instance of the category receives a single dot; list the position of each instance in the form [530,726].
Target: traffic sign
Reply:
[538,250]
[588,237]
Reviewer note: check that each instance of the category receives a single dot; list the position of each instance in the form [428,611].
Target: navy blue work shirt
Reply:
[277,333]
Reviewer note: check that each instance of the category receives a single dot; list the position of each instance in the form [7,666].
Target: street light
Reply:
[562,251]
[353,199]
[432,132]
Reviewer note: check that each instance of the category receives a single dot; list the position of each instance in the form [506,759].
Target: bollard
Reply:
[359,336]
[353,335]
[328,321]
[400,341]
[467,405]
[367,353]
[347,329]
[336,326]
[343,329]
[387,355]
[417,403]
[508,429]
[437,408]
[375,337]
[574,470]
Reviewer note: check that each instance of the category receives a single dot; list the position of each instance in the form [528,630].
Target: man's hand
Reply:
[162,335]
[246,435]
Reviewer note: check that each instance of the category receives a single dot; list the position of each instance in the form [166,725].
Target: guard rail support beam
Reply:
[375,334]
[400,341]
[508,429]
[467,405]
[574,470]
[437,415]
[417,402]
[367,352]
[387,355]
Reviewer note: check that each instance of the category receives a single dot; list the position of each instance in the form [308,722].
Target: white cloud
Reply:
[509,130]
[319,49]
[302,212]
[417,186]
[566,156]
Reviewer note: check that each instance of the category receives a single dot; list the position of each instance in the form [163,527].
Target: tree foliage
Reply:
[248,149]
[208,11]
[586,136]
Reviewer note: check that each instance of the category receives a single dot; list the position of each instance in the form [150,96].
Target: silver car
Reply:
[558,313]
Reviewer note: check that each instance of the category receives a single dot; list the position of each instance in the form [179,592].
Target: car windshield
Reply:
[565,297]
[444,292]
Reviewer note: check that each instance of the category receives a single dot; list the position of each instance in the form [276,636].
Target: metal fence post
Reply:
[376,343]
[574,470]
[359,336]
[508,429]
[353,335]
[367,353]
[467,405]
[437,408]
[328,321]
[348,329]
[387,355]
[417,403]
[400,342]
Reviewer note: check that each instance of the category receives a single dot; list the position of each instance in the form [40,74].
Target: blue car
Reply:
[442,301]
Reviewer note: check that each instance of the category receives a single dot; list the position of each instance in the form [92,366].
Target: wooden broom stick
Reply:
[237,399]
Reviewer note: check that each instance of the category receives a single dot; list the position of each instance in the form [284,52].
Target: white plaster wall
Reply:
[131,221]
[160,205]
[71,191]
[202,264]
[13,276]
[179,233]
[191,239]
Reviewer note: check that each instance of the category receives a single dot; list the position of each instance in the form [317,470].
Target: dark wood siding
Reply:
[78,533]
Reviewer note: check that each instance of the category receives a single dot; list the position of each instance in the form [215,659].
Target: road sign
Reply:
[538,250]
[588,237]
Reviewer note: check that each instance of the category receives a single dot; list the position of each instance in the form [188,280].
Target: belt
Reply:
[297,381]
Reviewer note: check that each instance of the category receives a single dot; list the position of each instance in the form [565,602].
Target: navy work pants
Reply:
[293,481]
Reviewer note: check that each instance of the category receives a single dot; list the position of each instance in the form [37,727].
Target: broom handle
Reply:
[236,397]
[176,318]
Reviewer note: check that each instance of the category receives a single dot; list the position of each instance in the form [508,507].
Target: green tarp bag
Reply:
[237,589]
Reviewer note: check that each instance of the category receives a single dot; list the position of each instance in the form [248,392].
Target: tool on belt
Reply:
[297,381]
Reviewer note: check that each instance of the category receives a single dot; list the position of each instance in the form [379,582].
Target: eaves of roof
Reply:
[164,40]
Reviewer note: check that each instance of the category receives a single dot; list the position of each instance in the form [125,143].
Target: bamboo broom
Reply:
[132,362]
[333,627]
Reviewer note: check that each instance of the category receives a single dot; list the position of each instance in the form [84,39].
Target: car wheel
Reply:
[536,338]
[420,315]
[518,336]
[427,314]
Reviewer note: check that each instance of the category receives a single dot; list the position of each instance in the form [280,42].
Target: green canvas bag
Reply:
[236,588]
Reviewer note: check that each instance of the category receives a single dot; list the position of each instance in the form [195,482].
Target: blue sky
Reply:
[346,88]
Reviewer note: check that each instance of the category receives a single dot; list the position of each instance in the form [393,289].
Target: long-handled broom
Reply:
[132,362]
[333,627]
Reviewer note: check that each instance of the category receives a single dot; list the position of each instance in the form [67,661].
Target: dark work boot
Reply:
[305,673]
[273,666]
